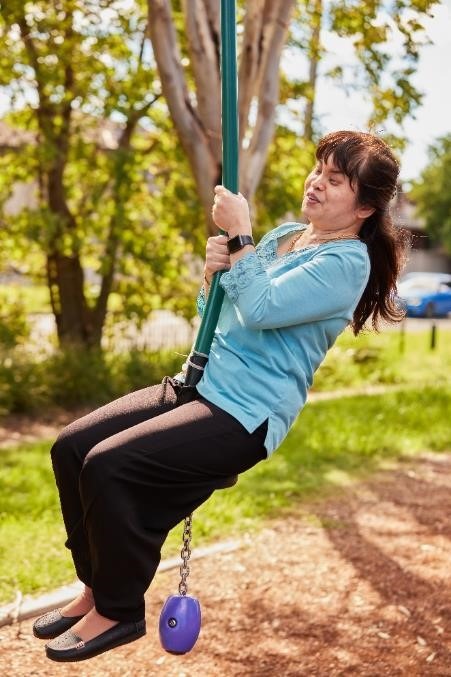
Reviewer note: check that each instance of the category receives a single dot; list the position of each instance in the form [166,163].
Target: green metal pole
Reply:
[229,100]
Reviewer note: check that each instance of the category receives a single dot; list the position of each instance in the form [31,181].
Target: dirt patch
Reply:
[356,585]
[19,428]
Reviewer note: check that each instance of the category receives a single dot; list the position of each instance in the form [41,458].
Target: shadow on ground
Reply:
[355,585]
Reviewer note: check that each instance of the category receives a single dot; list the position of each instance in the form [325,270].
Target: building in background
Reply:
[425,256]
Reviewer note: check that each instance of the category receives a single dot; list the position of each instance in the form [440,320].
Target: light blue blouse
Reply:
[279,317]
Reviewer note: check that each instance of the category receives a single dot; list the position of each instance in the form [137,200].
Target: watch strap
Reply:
[238,242]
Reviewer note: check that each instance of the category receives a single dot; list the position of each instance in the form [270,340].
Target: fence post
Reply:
[433,342]
[402,337]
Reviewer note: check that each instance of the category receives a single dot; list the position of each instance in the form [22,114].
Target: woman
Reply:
[132,470]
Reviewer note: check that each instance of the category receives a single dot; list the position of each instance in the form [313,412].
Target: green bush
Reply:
[141,367]
[23,386]
[20,382]
[345,366]
[386,358]
[14,325]
[77,377]
[31,381]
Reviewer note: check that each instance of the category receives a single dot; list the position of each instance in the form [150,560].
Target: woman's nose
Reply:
[318,181]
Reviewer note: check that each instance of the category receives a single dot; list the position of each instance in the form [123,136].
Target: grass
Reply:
[331,443]
[31,382]
[382,358]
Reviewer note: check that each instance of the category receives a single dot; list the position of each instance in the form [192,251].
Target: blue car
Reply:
[426,294]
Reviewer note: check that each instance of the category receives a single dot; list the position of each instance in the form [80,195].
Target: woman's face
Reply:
[329,201]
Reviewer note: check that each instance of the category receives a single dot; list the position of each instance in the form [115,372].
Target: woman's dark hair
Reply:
[373,172]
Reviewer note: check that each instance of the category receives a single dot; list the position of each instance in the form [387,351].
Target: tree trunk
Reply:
[314,56]
[196,118]
[77,323]
[198,139]
[112,245]
[64,271]
[268,43]
[65,281]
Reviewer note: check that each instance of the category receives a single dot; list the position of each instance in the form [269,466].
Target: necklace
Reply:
[293,241]
[298,236]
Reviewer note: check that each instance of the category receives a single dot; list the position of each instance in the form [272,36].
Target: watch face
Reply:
[238,242]
[234,245]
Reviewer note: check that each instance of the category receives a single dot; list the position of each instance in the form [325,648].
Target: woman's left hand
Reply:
[231,212]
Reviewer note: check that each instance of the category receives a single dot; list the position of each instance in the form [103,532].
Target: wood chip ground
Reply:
[358,584]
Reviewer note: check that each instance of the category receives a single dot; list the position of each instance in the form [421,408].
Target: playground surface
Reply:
[355,584]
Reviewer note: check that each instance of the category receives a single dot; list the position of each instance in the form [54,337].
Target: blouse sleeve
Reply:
[201,300]
[328,285]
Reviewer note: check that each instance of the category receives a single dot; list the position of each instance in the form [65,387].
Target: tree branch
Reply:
[250,62]
[276,20]
[203,44]
[167,56]
[191,132]
[314,57]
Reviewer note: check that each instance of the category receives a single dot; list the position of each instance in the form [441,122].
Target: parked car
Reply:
[425,294]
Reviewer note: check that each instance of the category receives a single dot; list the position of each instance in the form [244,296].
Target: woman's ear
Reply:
[364,211]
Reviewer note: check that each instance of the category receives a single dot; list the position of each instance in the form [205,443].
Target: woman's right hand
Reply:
[216,256]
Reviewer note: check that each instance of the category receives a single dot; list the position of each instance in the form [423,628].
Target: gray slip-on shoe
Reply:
[70,647]
[52,624]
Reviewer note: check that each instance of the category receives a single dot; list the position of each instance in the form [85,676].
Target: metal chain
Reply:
[185,555]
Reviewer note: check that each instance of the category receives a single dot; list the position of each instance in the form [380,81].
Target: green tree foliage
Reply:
[121,176]
[279,194]
[432,192]
[385,40]
[107,211]
[380,70]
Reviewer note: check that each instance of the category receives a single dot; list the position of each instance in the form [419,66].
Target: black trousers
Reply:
[129,472]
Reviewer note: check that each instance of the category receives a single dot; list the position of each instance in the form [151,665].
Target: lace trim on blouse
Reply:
[201,301]
[240,276]
[244,270]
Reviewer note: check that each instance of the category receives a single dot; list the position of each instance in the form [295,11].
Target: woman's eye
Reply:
[333,182]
